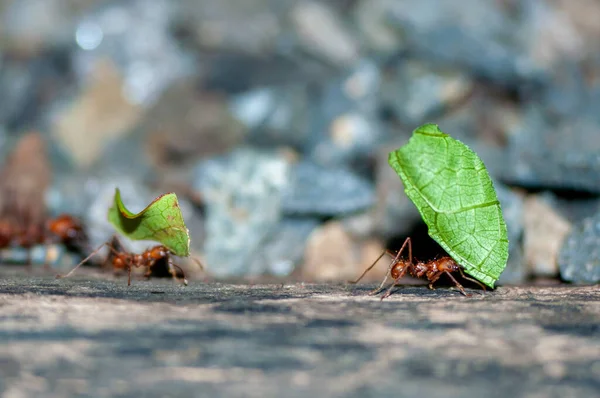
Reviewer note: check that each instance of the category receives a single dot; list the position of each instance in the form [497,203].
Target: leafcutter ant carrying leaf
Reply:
[432,270]
[451,188]
[151,259]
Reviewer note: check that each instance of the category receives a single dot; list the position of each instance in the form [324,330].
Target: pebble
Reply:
[513,212]
[243,194]
[332,254]
[542,156]
[579,259]
[317,190]
[283,250]
[544,231]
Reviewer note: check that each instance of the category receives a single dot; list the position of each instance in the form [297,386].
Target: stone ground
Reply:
[89,336]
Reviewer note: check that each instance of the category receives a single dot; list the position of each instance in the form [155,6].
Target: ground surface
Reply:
[93,337]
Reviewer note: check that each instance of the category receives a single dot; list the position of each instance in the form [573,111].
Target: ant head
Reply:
[448,264]
[156,252]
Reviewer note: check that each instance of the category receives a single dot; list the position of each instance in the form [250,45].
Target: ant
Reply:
[432,270]
[64,229]
[122,259]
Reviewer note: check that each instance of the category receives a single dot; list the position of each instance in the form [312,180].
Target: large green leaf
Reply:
[160,221]
[453,191]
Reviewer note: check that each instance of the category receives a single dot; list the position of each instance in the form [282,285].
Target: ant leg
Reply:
[458,285]
[174,274]
[128,274]
[82,262]
[389,291]
[408,242]
[369,268]
[471,279]
[434,279]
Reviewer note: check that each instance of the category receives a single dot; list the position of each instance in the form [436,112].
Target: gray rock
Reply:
[512,210]
[345,125]
[122,32]
[318,190]
[484,37]
[34,25]
[395,213]
[243,193]
[321,32]
[418,90]
[283,250]
[275,116]
[559,156]
[31,84]
[579,257]
[157,338]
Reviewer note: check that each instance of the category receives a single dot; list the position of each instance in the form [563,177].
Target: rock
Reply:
[186,124]
[283,250]
[322,33]
[345,126]
[395,213]
[138,39]
[31,85]
[333,255]
[371,18]
[542,156]
[35,25]
[574,209]
[101,111]
[579,258]
[243,194]
[544,232]
[317,190]
[416,90]
[572,31]
[489,29]
[274,116]
[512,209]
[229,26]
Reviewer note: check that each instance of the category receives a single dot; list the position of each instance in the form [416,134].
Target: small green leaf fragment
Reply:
[455,195]
[160,221]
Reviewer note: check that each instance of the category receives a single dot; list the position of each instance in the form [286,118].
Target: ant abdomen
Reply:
[398,268]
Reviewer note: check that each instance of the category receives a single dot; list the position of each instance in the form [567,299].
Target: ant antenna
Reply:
[197,262]
[59,276]
[396,256]
[369,268]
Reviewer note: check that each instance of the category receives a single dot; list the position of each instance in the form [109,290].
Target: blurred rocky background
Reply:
[272,121]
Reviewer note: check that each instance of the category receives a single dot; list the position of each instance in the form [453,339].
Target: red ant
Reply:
[122,259]
[64,229]
[432,270]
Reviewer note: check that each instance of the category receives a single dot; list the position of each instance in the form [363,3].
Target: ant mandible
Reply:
[125,260]
[432,270]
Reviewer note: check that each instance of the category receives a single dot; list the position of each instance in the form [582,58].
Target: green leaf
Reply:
[160,221]
[453,191]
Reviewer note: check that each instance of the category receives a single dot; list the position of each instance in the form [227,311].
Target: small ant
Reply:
[69,231]
[122,259]
[64,229]
[432,270]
